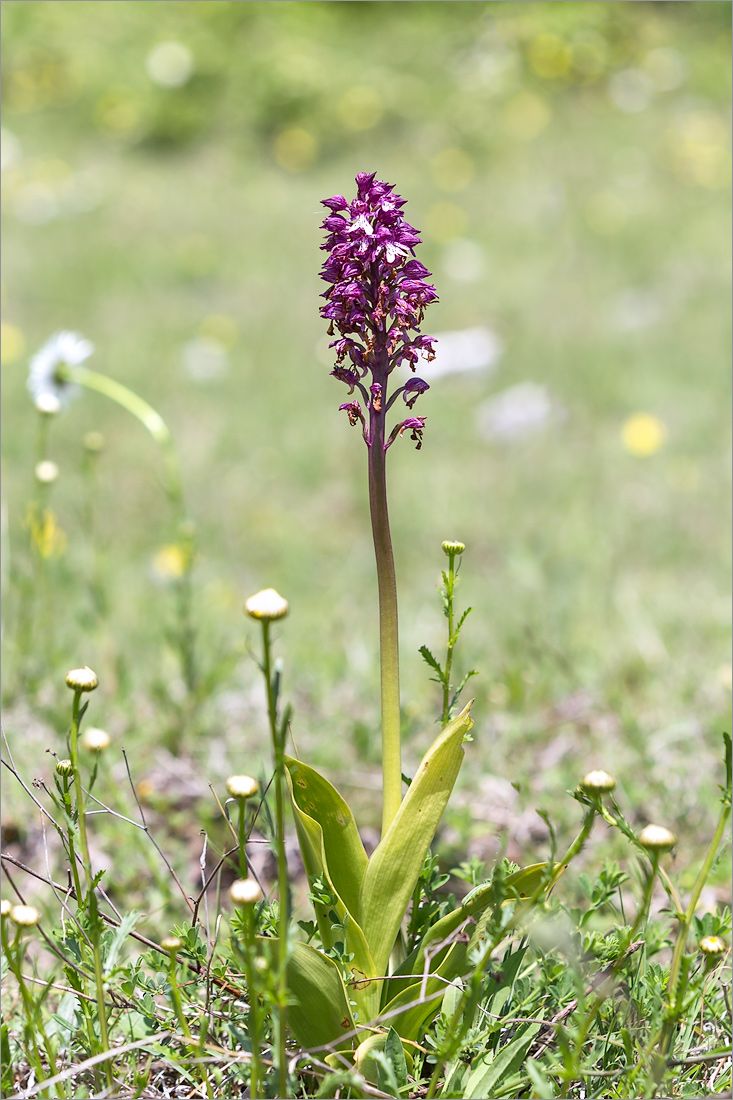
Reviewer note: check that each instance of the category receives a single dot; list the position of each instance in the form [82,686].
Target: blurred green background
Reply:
[568,165]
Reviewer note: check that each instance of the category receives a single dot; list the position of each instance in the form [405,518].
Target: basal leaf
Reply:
[395,866]
[321,1012]
[365,992]
[345,854]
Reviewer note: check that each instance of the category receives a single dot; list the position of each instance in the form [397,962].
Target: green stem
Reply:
[450,585]
[389,657]
[282,864]
[249,953]
[94,920]
[33,1016]
[178,1009]
[157,427]
[242,837]
[683,932]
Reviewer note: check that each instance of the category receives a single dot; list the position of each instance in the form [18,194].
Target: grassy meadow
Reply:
[568,167]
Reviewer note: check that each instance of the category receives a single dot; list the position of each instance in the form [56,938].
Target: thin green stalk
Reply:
[282,864]
[674,994]
[178,1009]
[33,1016]
[242,837]
[94,919]
[157,427]
[249,952]
[388,634]
[449,588]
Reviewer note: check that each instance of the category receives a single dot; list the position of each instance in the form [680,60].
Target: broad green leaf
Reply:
[522,884]
[365,993]
[487,1075]
[395,866]
[345,854]
[422,999]
[321,1012]
[396,1053]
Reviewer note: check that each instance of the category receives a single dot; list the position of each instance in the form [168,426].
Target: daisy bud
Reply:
[46,472]
[95,740]
[82,679]
[64,767]
[93,442]
[267,605]
[48,404]
[245,891]
[453,547]
[5,907]
[655,838]
[171,944]
[242,786]
[25,916]
[713,946]
[597,782]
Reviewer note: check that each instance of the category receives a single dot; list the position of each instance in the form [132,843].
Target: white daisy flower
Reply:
[64,349]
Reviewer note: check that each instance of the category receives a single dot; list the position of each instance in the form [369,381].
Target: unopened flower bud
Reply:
[450,547]
[242,786]
[95,740]
[64,767]
[245,891]
[46,472]
[267,605]
[171,944]
[5,907]
[48,404]
[598,782]
[82,679]
[713,946]
[656,838]
[25,916]
[93,442]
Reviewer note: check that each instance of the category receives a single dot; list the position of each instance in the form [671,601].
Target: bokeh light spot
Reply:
[549,56]
[220,327]
[446,221]
[643,434]
[170,64]
[12,343]
[295,149]
[360,108]
[452,169]
[606,213]
[525,116]
[117,111]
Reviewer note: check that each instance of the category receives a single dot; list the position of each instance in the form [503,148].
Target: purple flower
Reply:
[375,301]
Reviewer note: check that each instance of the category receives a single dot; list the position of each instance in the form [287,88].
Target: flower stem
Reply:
[388,635]
[154,423]
[91,899]
[278,738]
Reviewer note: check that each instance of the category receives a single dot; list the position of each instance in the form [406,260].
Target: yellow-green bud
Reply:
[597,782]
[46,472]
[5,907]
[266,605]
[450,547]
[242,786]
[245,891]
[656,838]
[713,946]
[25,916]
[48,404]
[64,767]
[171,944]
[93,442]
[82,679]
[95,740]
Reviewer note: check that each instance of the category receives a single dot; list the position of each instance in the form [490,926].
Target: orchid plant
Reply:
[364,969]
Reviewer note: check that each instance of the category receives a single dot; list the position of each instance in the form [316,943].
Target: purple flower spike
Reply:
[375,300]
